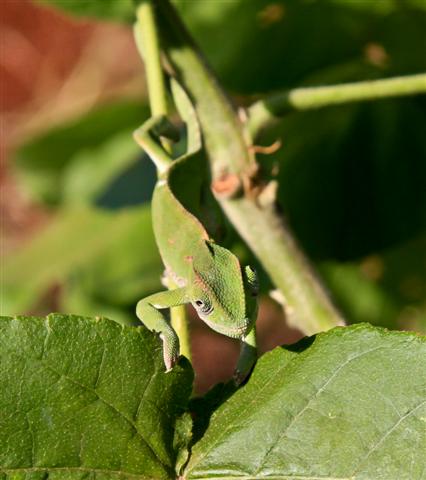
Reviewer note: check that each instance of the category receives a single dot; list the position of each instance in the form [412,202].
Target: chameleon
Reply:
[206,275]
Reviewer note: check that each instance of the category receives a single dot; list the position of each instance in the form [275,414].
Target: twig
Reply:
[267,111]
[145,32]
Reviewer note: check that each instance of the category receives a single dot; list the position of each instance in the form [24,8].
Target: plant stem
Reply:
[268,110]
[147,41]
[230,158]
[146,38]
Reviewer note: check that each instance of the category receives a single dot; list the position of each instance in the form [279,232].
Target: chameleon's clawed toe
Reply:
[170,363]
[170,350]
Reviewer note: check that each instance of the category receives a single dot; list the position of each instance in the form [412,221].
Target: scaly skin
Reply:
[208,276]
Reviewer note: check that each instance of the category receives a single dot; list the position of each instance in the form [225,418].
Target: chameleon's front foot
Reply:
[247,359]
[148,313]
[170,349]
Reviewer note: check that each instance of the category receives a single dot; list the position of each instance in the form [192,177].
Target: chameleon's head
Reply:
[224,294]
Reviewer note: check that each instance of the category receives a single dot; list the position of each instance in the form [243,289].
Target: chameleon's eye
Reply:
[204,308]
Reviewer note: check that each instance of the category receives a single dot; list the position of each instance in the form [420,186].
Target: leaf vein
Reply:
[386,434]
[112,407]
[311,399]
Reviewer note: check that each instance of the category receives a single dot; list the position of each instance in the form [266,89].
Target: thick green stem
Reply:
[232,161]
[147,41]
[268,110]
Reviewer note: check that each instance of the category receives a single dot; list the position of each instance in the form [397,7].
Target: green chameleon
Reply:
[207,275]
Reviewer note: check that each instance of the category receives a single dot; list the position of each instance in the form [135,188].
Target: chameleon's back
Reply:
[176,204]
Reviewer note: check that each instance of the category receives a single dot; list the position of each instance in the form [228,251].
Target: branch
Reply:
[267,111]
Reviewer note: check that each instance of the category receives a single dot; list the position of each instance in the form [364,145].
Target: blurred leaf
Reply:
[80,157]
[273,44]
[278,44]
[133,186]
[354,182]
[130,267]
[350,405]
[404,271]
[390,286]
[361,299]
[267,12]
[81,397]
[116,252]
[77,296]
[120,10]
[383,7]
[91,171]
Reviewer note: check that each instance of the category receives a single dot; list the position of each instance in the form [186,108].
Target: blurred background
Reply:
[75,216]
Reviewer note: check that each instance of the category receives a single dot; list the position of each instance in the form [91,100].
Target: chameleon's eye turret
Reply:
[203,308]
[252,280]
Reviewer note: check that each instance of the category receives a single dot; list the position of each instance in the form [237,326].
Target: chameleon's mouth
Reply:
[239,331]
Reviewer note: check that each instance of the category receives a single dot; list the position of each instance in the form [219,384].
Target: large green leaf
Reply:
[86,398]
[352,405]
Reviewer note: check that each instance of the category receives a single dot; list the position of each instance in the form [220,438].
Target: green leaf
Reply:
[273,35]
[83,398]
[345,189]
[390,287]
[349,406]
[77,159]
[92,171]
[210,12]
[370,304]
[112,252]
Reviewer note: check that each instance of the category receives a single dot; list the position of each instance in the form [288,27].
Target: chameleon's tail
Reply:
[148,137]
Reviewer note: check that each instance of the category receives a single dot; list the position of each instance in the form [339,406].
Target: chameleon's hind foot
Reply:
[240,376]
[248,358]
